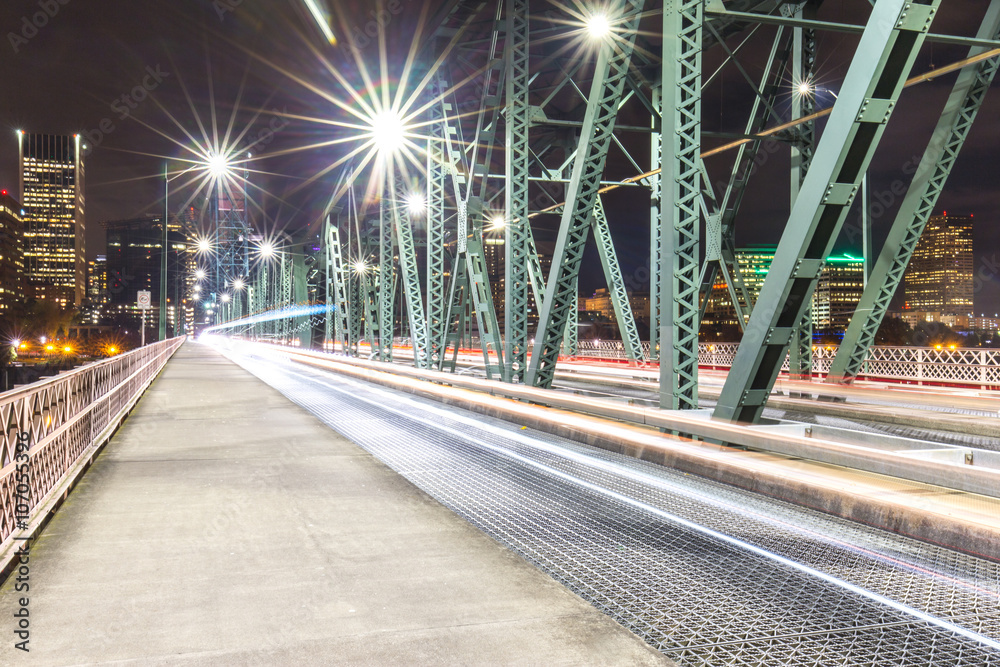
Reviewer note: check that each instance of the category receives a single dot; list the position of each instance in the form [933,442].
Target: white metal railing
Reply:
[960,366]
[50,424]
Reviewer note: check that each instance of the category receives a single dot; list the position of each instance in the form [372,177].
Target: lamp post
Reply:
[164,249]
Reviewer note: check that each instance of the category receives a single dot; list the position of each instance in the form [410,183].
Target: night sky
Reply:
[86,68]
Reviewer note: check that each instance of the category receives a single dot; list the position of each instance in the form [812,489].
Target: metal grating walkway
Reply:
[708,574]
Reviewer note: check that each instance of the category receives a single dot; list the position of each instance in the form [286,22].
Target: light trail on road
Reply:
[701,571]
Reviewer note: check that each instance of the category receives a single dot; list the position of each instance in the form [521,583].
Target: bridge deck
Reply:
[226,525]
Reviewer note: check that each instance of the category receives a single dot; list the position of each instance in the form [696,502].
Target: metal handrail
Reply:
[48,426]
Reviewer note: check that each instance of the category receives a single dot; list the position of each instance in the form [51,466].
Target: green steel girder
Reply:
[386,281]
[300,295]
[436,177]
[616,284]
[411,284]
[929,181]
[571,335]
[455,315]
[655,197]
[800,355]
[355,321]
[885,55]
[518,227]
[680,310]
[337,278]
[560,302]
[285,294]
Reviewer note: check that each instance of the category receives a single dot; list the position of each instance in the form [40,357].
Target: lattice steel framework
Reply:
[803,72]
[680,219]
[411,281]
[232,230]
[337,289]
[436,182]
[655,204]
[932,174]
[885,55]
[518,227]
[386,285]
[616,284]
[561,291]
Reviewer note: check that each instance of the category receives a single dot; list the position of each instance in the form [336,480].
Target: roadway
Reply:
[704,572]
[224,525]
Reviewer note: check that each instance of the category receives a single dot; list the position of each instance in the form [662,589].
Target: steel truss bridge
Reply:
[528,138]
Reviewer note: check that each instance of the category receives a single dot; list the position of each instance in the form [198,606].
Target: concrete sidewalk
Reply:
[224,525]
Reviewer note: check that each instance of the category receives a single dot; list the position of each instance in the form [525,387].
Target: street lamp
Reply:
[598,26]
[416,204]
[388,131]
[218,165]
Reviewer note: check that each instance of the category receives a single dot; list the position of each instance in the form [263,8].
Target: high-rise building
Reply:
[51,188]
[841,284]
[754,263]
[11,252]
[134,248]
[97,289]
[834,301]
[939,277]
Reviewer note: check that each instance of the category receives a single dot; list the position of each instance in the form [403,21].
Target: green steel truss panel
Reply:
[386,284]
[885,55]
[411,285]
[436,177]
[517,229]
[680,310]
[939,158]
[300,295]
[800,357]
[655,196]
[616,284]
[455,316]
[560,303]
[338,286]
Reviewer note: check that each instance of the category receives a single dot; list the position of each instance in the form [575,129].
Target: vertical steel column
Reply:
[386,283]
[300,296]
[411,284]
[680,216]
[939,158]
[595,137]
[655,152]
[885,55]
[338,279]
[800,357]
[436,175]
[518,155]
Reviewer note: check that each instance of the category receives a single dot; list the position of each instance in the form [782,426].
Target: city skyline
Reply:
[124,98]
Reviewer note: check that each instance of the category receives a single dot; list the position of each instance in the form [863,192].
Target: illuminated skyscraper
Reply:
[11,252]
[838,292]
[52,182]
[939,278]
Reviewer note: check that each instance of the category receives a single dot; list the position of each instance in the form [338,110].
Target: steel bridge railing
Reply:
[922,365]
[50,425]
